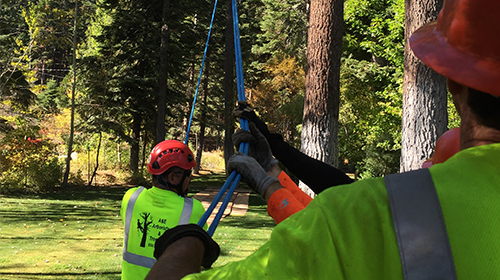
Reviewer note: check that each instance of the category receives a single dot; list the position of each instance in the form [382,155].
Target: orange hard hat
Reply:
[170,153]
[447,145]
[463,44]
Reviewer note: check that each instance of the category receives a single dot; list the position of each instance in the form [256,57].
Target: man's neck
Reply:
[473,135]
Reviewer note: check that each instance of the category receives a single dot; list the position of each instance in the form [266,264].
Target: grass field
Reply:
[77,233]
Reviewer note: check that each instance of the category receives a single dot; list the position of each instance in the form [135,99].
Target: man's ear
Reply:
[454,87]
[171,178]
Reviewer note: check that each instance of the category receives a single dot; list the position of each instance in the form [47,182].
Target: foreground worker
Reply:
[351,231]
[147,213]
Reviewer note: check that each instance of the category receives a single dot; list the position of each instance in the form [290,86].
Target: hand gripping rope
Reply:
[234,178]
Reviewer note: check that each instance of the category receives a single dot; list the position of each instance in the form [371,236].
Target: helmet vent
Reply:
[189,158]
[156,165]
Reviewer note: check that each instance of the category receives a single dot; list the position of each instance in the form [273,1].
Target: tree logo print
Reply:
[143,227]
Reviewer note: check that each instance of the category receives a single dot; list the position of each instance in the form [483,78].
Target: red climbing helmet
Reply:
[170,153]
[463,44]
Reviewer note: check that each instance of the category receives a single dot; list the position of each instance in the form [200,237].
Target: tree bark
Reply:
[73,93]
[321,103]
[425,116]
[94,174]
[228,84]
[144,143]
[162,76]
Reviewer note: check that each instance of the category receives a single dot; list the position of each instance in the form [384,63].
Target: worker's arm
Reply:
[316,174]
[290,185]
[286,199]
[181,258]
[182,250]
[266,185]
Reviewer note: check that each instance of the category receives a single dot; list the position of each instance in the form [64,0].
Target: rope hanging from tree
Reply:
[234,178]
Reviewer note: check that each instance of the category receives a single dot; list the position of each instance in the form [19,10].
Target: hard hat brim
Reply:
[432,48]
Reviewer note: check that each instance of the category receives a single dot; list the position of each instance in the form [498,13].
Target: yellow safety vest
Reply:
[147,214]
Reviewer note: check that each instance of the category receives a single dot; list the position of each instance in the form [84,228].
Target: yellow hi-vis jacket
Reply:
[347,232]
[146,215]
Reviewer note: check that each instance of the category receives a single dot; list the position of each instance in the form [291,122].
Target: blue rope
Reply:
[234,178]
[201,71]
[238,58]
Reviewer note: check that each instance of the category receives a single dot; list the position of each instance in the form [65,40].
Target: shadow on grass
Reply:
[57,211]
[77,193]
[54,212]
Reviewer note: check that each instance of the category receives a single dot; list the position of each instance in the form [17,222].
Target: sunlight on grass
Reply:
[53,237]
[213,161]
[238,237]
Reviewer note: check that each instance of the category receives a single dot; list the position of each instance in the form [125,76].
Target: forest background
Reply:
[113,83]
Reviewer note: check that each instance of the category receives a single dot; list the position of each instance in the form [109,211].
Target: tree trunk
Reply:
[134,146]
[144,143]
[162,76]
[321,103]
[425,116]
[203,121]
[119,155]
[94,174]
[228,84]
[73,92]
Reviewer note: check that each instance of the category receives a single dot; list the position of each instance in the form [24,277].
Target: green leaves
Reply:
[374,30]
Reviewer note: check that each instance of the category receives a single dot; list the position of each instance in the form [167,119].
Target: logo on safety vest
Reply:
[146,225]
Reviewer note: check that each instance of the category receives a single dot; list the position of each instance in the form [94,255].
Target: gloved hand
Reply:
[251,171]
[243,110]
[259,147]
[212,249]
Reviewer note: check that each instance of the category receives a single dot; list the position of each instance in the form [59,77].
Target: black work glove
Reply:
[251,171]
[212,249]
[258,146]
[243,110]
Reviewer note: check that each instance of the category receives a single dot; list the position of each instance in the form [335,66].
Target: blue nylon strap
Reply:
[419,225]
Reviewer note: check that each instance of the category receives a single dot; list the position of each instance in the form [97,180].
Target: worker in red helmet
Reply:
[147,213]
[433,223]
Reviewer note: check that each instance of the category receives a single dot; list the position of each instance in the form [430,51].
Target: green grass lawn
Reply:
[78,234]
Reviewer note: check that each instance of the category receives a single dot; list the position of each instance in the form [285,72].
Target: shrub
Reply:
[29,162]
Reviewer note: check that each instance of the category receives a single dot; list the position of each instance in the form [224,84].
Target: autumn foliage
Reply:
[28,161]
